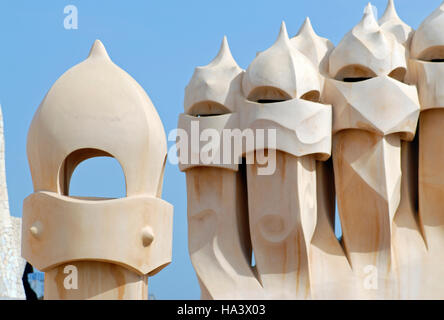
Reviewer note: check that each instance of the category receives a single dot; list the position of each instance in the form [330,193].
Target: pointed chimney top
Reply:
[224,49]
[369,20]
[391,22]
[223,54]
[283,34]
[307,27]
[389,13]
[98,51]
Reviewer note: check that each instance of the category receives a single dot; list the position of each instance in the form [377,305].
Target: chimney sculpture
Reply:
[282,88]
[422,263]
[373,111]
[12,264]
[268,203]
[388,250]
[96,248]
[218,230]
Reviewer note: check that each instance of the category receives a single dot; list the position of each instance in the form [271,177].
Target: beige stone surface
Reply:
[55,218]
[214,86]
[391,22]
[232,210]
[280,72]
[358,128]
[97,109]
[374,110]
[428,39]
[96,281]
[368,50]
[314,47]
[282,220]
[12,265]
[219,243]
[420,236]
[360,103]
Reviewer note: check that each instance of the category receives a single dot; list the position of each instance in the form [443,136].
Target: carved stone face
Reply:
[373,109]
[287,218]
[213,87]
[368,60]
[97,109]
[281,73]
[427,57]
[281,91]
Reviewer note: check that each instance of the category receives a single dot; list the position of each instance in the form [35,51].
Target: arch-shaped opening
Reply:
[354,73]
[313,95]
[268,95]
[433,54]
[208,108]
[398,74]
[92,174]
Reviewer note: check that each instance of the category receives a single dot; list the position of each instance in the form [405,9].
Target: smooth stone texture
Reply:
[97,109]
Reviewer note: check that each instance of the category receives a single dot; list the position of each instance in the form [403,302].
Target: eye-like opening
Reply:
[208,108]
[354,73]
[265,101]
[398,74]
[313,95]
[433,54]
[95,172]
[268,95]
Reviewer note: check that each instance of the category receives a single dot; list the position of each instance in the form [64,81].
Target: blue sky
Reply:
[159,43]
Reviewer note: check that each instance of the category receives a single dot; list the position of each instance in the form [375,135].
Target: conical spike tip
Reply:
[98,51]
[369,20]
[390,11]
[368,9]
[224,54]
[224,48]
[307,27]
[283,35]
[391,6]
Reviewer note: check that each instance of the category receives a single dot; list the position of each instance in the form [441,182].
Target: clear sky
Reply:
[159,43]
